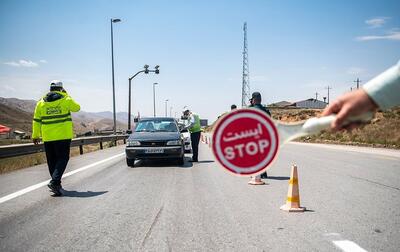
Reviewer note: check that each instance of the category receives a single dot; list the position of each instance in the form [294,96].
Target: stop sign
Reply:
[245,141]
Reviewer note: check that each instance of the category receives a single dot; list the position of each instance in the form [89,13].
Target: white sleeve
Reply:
[384,89]
[191,121]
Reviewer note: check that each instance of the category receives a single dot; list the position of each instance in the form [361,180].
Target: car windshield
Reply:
[156,126]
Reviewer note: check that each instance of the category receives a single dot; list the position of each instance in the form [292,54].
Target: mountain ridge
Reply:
[18,113]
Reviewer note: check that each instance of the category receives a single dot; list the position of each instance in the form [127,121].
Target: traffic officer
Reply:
[255,102]
[195,132]
[52,123]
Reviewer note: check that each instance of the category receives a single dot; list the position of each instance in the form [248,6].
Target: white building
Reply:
[309,104]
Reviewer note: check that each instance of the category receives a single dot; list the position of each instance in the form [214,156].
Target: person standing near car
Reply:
[255,102]
[195,132]
[52,123]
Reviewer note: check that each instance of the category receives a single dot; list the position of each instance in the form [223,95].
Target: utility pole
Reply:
[328,87]
[358,83]
[154,98]
[316,95]
[116,20]
[245,73]
[166,106]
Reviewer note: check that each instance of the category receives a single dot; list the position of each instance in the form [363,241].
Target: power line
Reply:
[245,73]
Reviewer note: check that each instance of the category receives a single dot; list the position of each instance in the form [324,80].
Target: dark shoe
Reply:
[264,175]
[56,189]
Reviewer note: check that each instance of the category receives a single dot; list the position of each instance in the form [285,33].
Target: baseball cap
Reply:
[56,83]
[256,95]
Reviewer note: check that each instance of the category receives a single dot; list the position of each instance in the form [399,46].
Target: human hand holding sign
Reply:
[350,104]
[246,141]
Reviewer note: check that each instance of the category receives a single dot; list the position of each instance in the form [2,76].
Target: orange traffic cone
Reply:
[293,197]
[256,181]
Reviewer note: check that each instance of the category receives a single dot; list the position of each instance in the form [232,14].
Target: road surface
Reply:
[352,196]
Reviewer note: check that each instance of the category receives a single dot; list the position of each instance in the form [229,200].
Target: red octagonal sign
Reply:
[245,141]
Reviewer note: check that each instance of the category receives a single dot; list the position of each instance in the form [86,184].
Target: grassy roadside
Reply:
[15,163]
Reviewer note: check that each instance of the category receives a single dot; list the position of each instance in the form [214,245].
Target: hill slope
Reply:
[17,114]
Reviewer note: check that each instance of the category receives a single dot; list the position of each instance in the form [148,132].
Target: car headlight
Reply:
[133,143]
[174,142]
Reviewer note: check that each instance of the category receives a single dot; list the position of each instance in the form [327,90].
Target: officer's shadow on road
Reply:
[76,194]
[278,177]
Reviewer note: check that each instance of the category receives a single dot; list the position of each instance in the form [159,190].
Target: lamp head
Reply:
[116,20]
[146,69]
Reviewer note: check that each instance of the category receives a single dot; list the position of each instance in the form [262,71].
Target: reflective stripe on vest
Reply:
[59,118]
[58,121]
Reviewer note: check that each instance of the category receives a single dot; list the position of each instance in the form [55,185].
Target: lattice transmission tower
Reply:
[246,77]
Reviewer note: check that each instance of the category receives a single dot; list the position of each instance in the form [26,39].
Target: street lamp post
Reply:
[146,71]
[166,105]
[170,111]
[154,98]
[116,20]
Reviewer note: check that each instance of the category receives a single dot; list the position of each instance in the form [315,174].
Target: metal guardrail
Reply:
[15,150]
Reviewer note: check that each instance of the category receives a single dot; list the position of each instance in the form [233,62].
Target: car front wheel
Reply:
[130,162]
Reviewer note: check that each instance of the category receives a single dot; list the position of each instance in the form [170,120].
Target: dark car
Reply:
[155,138]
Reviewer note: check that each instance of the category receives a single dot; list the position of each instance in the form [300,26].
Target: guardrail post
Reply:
[101,145]
[81,149]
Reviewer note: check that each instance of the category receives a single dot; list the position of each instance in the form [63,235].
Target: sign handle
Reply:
[317,124]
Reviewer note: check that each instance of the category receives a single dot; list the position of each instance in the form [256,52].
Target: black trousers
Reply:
[195,138]
[57,154]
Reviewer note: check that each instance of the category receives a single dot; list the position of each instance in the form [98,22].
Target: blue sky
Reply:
[296,48]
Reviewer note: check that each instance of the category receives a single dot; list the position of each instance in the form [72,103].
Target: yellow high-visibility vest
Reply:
[196,126]
[52,118]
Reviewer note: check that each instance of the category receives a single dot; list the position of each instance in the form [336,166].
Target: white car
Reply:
[186,136]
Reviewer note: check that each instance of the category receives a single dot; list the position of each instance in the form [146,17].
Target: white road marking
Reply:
[348,246]
[44,183]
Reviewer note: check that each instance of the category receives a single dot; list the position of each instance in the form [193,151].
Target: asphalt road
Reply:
[352,196]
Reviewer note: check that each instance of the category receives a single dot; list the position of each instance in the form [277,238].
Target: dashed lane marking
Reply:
[348,246]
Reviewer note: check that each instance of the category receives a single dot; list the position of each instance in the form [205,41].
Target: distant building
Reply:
[203,122]
[309,104]
[5,131]
[18,134]
[280,104]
